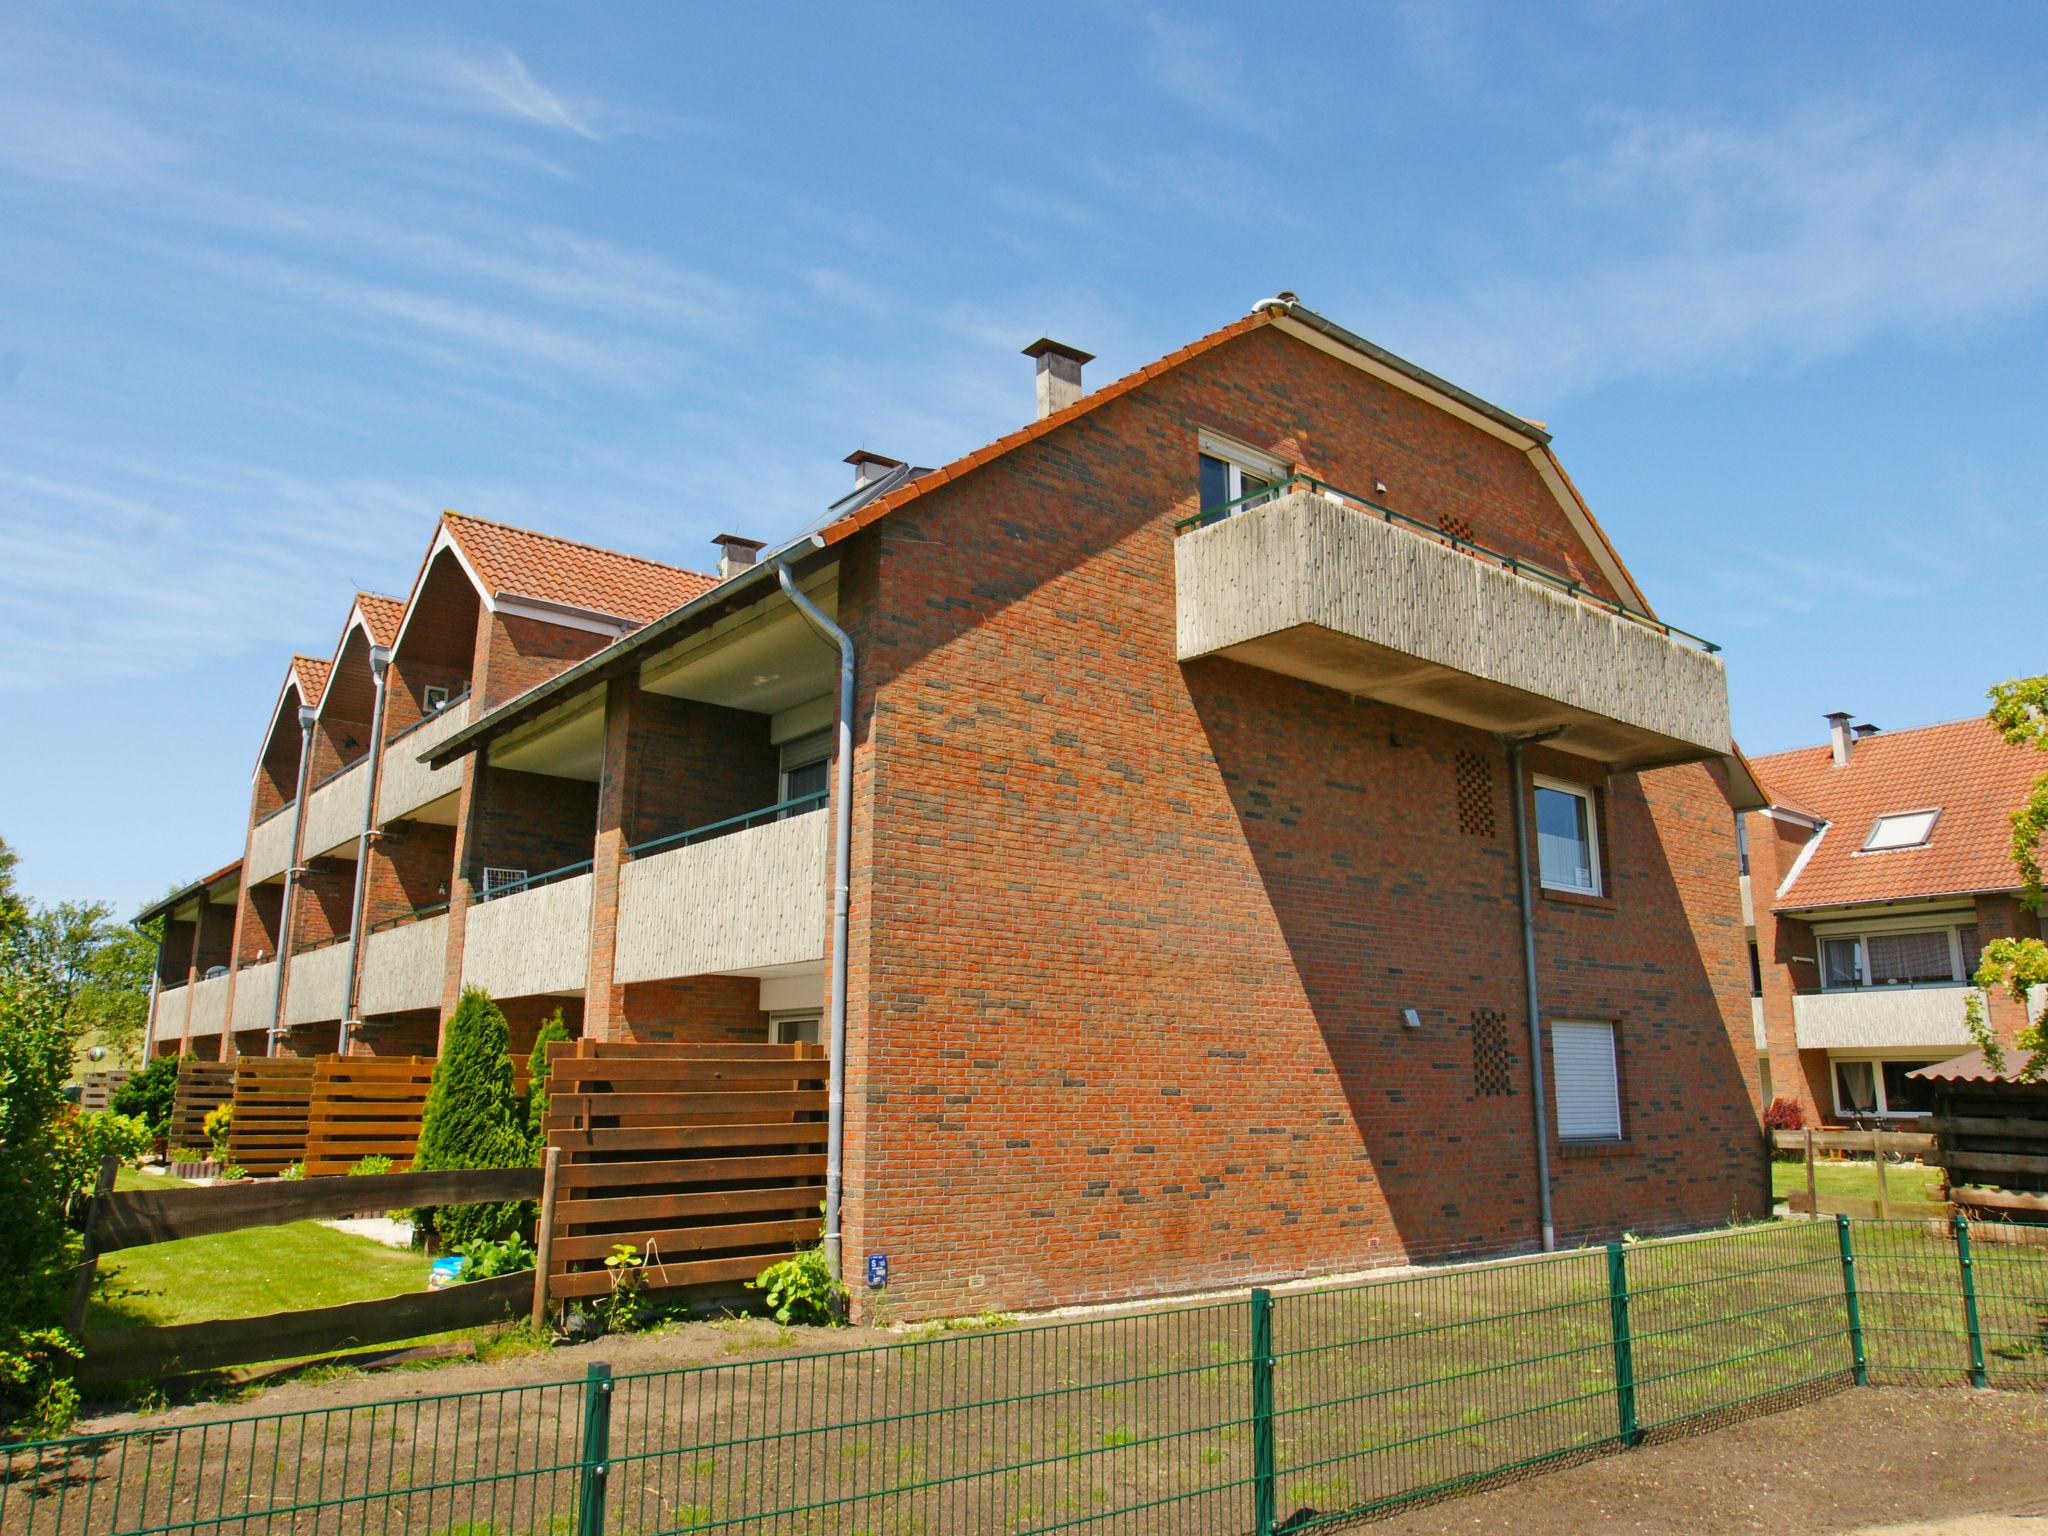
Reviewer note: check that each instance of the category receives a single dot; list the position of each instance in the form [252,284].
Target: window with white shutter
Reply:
[1588,1091]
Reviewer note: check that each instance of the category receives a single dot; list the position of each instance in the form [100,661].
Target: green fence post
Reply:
[1262,1413]
[1624,1344]
[1855,1303]
[597,1441]
[1977,1377]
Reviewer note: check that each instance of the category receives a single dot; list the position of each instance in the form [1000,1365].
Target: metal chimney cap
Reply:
[1046,345]
[863,456]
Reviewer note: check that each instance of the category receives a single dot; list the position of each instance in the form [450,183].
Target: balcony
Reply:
[1867,1018]
[317,989]
[209,1010]
[1756,1023]
[173,1005]
[403,967]
[270,846]
[532,939]
[733,896]
[409,787]
[255,996]
[334,812]
[1342,592]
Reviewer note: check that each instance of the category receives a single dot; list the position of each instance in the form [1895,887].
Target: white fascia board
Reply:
[1799,863]
[567,615]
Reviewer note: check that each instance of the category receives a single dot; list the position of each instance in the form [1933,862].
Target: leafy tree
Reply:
[538,1070]
[13,910]
[474,1119]
[148,1094]
[2019,709]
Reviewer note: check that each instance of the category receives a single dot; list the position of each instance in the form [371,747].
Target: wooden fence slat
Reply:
[680,1138]
[748,1234]
[568,1108]
[132,1354]
[640,1175]
[676,1076]
[271,1096]
[644,1208]
[130,1218]
[1909,1143]
[203,1086]
[366,1106]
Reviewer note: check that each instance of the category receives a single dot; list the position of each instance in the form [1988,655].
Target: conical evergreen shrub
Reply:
[537,1075]
[474,1119]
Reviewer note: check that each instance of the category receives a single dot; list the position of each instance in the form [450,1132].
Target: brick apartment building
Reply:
[1879,871]
[1184,934]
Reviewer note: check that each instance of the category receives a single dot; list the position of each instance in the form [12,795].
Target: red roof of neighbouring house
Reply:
[538,565]
[1965,768]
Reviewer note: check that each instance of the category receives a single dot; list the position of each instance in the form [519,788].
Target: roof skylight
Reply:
[1902,829]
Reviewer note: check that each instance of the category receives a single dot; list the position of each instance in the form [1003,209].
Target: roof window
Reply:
[1901,829]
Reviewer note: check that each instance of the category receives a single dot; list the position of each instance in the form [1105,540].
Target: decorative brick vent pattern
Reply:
[1492,1066]
[1475,794]
[1458,528]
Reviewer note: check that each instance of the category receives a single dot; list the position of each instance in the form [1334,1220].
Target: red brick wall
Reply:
[412,865]
[325,901]
[403,1034]
[532,821]
[262,914]
[515,653]
[1132,940]
[694,1008]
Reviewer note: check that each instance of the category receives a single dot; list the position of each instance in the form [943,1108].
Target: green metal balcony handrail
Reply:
[312,944]
[1520,567]
[428,719]
[545,877]
[777,811]
[432,909]
[348,767]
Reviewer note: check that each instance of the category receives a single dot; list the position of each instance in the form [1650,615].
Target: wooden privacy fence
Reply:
[1992,1140]
[365,1106]
[135,1218]
[1856,1143]
[96,1089]
[272,1093]
[203,1086]
[707,1160]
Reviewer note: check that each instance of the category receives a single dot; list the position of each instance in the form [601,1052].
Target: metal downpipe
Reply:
[380,671]
[842,858]
[307,715]
[1533,1002]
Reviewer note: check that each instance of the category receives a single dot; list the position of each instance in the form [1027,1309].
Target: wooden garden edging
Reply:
[268,1133]
[203,1086]
[135,1218]
[706,1159]
[365,1106]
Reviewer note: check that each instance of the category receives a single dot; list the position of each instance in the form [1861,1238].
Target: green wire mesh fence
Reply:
[1282,1413]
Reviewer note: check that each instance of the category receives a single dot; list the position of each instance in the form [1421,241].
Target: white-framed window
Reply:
[1881,1086]
[1567,838]
[794,1029]
[806,764]
[1901,829]
[434,698]
[1897,952]
[1230,470]
[1588,1086]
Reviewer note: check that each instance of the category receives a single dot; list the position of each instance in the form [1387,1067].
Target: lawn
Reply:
[1913,1190]
[244,1274]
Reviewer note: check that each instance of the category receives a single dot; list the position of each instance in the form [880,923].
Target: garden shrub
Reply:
[538,1073]
[147,1094]
[486,1260]
[801,1288]
[88,1139]
[217,1124]
[1784,1115]
[473,1119]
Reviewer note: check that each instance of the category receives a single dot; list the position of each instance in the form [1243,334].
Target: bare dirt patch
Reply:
[1863,1460]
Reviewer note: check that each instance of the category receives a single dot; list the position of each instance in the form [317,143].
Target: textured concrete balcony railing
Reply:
[1756,1023]
[270,848]
[318,985]
[532,941]
[334,813]
[1874,1017]
[403,967]
[751,898]
[1323,590]
[209,1006]
[173,1004]
[409,783]
[1748,904]
[255,996]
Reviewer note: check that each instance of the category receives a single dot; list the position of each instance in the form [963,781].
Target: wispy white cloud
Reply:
[1201,65]
[499,81]
[1685,246]
[68,140]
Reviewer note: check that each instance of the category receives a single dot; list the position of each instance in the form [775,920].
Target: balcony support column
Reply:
[469,821]
[380,669]
[618,795]
[286,936]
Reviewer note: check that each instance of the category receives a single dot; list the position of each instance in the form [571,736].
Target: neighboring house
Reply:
[1881,868]
[1184,940]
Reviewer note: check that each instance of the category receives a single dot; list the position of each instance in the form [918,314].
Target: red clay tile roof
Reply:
[311,673]
[1965,767]
[538,565]
[381,615]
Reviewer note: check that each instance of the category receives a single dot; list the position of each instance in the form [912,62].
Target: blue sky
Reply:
[282,283]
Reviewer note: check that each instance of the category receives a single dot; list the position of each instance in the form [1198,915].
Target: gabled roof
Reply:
[1964,768]
[381,615]
[518,562]
[310,672]
[185,893]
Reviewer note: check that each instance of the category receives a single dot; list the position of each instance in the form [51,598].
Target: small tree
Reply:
[473,1119]
[538,1072]
[148,1094]
[2019,709]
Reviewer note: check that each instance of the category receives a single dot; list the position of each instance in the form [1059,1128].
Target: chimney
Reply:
[1059,373]
[869,467]
[735,553]
[1838,736]
[1865,730]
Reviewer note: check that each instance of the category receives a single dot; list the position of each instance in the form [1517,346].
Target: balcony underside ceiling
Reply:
[765,658]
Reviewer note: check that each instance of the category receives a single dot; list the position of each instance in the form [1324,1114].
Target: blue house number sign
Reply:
[878,1271]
